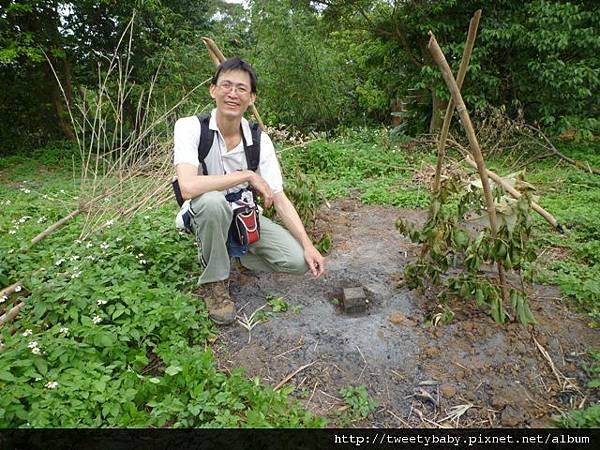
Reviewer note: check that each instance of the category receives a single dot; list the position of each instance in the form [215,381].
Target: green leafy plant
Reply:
[277,304]
[448,242]
[360,405]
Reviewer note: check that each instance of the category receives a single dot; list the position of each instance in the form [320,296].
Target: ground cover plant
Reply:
[111,335]
[112,331]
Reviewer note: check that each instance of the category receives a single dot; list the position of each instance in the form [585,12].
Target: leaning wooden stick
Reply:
[460,77]
[217,57]
[440,60]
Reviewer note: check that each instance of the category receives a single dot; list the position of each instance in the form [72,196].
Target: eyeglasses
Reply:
[227,86]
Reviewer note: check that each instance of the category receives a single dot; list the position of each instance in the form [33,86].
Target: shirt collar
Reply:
[245,126]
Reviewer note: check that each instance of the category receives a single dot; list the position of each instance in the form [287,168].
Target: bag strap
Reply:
[206,140]
[253,151]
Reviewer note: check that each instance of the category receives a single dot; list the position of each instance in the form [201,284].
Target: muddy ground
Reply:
[490,375]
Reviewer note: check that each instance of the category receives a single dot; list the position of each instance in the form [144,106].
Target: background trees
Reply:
[321,63]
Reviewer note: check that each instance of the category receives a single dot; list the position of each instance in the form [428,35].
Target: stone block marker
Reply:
[355,300]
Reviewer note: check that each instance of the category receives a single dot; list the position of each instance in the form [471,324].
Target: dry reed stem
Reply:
[564,382]
[292,375]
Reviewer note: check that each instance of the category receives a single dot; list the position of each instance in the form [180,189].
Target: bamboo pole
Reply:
[460,77]
[440,60]
[217,57]
[55,226]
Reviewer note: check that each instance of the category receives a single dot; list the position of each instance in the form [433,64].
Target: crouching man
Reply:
[222,162]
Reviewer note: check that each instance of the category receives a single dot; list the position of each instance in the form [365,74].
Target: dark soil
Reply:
[415,371]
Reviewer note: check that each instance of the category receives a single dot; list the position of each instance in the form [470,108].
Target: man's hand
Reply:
[315,261]
[263,189]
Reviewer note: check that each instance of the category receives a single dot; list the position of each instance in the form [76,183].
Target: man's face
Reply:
[232,93]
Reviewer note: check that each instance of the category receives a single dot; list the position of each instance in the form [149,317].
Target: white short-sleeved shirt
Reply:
[219,161]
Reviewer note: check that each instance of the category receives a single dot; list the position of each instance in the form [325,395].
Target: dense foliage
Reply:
[320,63]
[111,335]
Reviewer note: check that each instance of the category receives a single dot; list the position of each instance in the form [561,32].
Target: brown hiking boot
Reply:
[221,308]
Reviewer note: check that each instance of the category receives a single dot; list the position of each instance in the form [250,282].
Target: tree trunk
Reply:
[57,101]
[437,106]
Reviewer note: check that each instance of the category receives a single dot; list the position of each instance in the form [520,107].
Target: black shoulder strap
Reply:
[206,140]
[253,151]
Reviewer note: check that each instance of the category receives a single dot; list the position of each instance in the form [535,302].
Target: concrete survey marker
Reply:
[354,300]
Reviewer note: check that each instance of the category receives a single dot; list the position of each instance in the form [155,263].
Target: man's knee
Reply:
[210,205]
[296,264]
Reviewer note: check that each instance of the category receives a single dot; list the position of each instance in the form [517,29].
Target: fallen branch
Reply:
[10,289]
[586,167]
[292,375]
[11,314]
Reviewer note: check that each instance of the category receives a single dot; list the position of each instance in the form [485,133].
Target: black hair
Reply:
[236,64]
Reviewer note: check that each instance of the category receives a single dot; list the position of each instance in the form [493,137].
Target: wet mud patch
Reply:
[472,372]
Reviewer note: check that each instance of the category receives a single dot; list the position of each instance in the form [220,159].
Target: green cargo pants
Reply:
[275,251]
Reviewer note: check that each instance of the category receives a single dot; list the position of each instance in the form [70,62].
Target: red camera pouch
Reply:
[247,225]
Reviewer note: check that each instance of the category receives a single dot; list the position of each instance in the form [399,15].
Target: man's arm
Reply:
[192,185]
[289,216]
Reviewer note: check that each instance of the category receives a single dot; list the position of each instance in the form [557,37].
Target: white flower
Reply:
[91,257]
[142,261]
[12,231]
[62,191]
[101,302]
[119,239]
[37,379]
[140,255]
[74,258]
[89,245]
[27,332]
[33,346]
[3,298]
[27,191]
[109,223]
[104,245]
[76,274]
[41,219]
[60,261]
[78,241]
[18,288]
[45,196]
[96,319]
[64,330]
[51,384]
